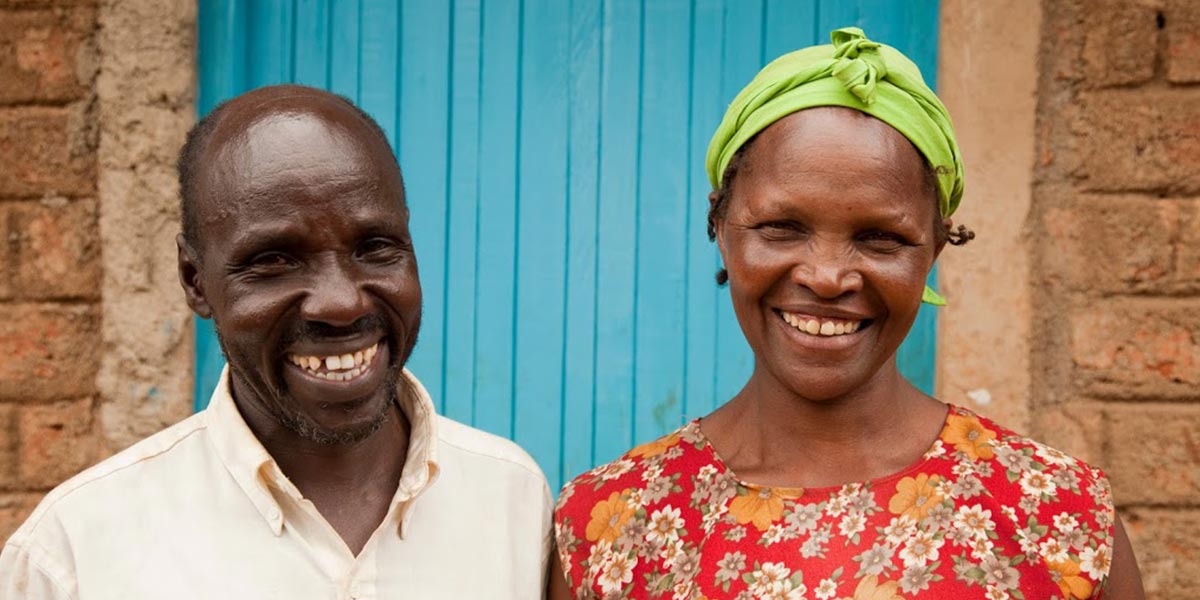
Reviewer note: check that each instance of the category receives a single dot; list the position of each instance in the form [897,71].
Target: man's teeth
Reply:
[339,367]
[822,327]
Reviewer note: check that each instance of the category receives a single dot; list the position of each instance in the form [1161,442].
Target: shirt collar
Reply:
[253,468]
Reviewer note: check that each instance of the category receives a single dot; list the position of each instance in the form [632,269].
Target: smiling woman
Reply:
[835,173]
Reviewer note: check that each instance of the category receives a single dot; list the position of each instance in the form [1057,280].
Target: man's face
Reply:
[305,263]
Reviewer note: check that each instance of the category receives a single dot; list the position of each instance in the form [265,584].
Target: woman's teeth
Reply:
[341,367]
[822,327]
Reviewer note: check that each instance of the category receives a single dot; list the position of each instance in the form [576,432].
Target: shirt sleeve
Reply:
[24,575]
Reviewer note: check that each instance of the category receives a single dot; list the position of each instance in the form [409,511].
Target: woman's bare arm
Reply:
[1124,579]
[558,580]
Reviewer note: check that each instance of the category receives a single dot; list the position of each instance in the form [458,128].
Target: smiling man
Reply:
[320,469]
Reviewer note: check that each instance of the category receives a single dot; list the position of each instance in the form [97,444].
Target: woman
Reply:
[828,475]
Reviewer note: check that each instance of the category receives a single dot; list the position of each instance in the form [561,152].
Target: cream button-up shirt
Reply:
[201,511]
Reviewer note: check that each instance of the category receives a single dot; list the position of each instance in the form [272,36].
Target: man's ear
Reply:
[189,278]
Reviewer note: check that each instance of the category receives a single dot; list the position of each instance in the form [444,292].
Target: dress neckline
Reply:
[936,449]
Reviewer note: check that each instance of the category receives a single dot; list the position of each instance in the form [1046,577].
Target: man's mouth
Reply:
[821,327]
[337,367]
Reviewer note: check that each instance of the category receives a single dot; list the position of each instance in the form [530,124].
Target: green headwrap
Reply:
[856,73]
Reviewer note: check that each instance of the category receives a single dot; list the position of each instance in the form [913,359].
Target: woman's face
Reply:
[828,237]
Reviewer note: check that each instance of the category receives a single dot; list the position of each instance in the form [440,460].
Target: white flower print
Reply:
[920,549]
[1053,550]
[915,579]
[1096,561]
[617,573]
[665,524]
[825,590]
[851,524]
[1038,483]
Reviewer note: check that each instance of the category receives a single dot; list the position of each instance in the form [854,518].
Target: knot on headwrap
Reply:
[859,64]
[857,73]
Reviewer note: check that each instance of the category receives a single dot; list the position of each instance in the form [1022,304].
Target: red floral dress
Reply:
[985,513]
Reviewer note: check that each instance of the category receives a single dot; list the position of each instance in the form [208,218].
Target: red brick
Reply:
[46,150]
[57,249]
[1167,550]
[1183,41]
[1141,139]
[1154,454]
[1139,348]
[14,509]
[46,55]
[1119,42]
[56,441]
[1114,243]
[8,446]
[1188,247]
[8,255]
[51,351]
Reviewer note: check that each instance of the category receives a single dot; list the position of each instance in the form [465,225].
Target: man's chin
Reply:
[323,435]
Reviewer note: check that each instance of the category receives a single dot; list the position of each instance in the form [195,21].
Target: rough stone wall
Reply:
[1115,239]
[95,98]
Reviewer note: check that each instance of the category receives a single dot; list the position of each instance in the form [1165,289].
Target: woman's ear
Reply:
[948,225]
[189,278]
[718,220]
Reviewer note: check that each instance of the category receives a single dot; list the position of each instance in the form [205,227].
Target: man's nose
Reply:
[336,296]
[829,270]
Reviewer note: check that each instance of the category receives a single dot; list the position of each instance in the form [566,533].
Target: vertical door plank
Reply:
[662,219]
[345,53]
[541,227]
[617,225]
[422,116]
[379,63]
[462,225]
[742,58]
[583,153]
[789,26]
[311,42]
[497,217]
[707,104]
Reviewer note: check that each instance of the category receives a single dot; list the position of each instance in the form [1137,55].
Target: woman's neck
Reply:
[768,434]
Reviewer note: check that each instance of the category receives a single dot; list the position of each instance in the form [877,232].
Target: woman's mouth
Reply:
[821,327]
[346,366]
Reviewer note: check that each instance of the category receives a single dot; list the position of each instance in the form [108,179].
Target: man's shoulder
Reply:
[485,448]
[107,484]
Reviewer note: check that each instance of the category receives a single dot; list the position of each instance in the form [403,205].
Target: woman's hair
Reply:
[956,237]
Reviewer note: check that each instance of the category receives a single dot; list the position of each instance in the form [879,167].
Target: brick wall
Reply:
[95,98]
[49,250]
[1116,274]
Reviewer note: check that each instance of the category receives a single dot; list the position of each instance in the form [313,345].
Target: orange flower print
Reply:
[870,589]
[915,496]
[608,517]
[654,448]
[1066,574]
[761,506]
[969,436]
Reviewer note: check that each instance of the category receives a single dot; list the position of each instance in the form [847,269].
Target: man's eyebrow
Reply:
[258,237]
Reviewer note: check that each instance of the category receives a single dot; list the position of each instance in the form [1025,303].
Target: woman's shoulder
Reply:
[639,471]
[1020,471]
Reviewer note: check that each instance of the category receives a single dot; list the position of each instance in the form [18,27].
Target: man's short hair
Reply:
[197,140]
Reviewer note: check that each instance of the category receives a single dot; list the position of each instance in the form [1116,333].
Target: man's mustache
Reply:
[316,331]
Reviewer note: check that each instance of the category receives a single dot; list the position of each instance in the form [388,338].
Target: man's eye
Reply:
[270,260]
[380,249]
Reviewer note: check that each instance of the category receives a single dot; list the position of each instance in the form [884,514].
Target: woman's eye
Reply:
[884,239]
[780,229]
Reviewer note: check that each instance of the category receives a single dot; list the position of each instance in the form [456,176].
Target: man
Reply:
[319,469]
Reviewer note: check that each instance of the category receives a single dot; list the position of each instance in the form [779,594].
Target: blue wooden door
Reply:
[553,154]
